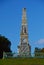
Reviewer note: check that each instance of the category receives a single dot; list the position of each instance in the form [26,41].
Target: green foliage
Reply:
[4,45]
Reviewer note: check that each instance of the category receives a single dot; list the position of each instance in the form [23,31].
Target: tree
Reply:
[42,50]
[5,45]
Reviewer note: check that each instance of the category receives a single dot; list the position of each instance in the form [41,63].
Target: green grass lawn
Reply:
[22,61]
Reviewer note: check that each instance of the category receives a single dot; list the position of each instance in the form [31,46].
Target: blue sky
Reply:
[11,18]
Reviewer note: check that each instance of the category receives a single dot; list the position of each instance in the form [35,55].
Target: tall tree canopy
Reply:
[5,45]
[42,50]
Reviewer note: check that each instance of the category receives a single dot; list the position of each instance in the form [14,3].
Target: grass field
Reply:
[22,61]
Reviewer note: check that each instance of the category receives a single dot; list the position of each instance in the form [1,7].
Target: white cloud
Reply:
[41,41]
